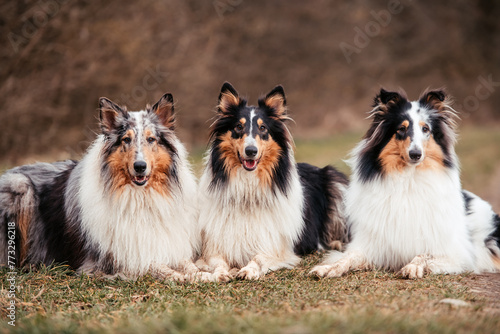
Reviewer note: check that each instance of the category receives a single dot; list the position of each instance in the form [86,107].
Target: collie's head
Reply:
[407,134]
[139,147]
[251,139]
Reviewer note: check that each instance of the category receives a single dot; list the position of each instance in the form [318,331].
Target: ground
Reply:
[288,301]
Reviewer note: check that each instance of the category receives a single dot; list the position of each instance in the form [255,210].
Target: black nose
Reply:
[251,151]
[140,166]
[415,155]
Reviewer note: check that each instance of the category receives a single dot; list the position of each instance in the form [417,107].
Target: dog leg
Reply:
[220,269]
[337,264]
[425,264]
[193,273]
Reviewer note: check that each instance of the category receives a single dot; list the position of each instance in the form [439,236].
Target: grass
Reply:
[54,299]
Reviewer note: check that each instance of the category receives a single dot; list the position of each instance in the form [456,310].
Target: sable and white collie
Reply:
[405,206]
[259,210]
[124,209]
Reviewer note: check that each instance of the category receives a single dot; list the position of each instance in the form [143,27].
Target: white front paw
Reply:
[412,270]
[221,276]
[248,273]
[330,270]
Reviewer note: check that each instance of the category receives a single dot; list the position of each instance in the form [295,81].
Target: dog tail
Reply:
[18,203]
[336,231]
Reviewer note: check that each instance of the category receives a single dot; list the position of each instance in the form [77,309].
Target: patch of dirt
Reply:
[487,287]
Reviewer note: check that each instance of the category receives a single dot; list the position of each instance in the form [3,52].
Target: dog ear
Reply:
[228,98]
[384,100]
[164,109]
[109,115]
[440,104]
[275,101]
[434,99]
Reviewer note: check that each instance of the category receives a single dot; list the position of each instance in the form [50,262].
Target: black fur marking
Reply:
[438,124]
[467,203]
[496,234]
[383,127]
[321,197]
[275,129]
[220,175]
[64,239]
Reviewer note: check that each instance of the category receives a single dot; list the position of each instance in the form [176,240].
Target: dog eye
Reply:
[151,140]
[425,129]
[262,128]
[239,127]
[127,140]
[402,129]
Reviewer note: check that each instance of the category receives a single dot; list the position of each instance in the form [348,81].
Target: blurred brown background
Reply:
[59,56]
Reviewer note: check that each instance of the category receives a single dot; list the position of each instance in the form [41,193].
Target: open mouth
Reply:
[140,180]
[249,164]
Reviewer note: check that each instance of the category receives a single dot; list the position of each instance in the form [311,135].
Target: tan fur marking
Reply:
[393,156]
[269,152]
[243,120]
[433,156]
[229,148]
[160,161]
[23,224]
[119,162]
[277,103]
[227,100]
[406,123]
[496,261]
[260,122]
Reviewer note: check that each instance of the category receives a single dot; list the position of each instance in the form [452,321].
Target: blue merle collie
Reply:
[259,210]
[124,209]
[405,206]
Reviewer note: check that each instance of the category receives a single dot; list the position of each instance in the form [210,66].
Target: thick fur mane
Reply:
[387,113]
[273,112]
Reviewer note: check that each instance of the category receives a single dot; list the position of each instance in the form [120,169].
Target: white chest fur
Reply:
[402,215]
[244,218]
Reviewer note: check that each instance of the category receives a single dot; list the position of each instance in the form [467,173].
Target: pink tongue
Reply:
[250,164]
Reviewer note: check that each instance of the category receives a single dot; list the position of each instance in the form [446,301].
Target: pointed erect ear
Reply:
[164,109]
[109,115]
[228,98]
[276,101]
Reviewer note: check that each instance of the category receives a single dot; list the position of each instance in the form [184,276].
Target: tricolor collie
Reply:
[124,209]
[259,210]
[405,206]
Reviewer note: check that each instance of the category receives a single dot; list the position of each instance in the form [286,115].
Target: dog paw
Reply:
[221,276]
[329,270]
[413,271]
[248,273]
